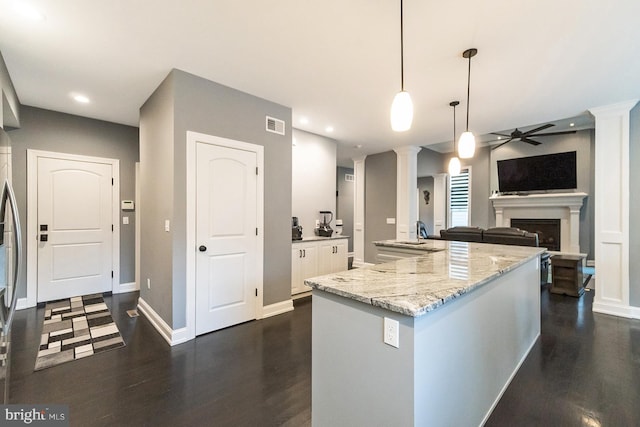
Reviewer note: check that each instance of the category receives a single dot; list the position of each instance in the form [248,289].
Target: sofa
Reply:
[497,235]
[501,236]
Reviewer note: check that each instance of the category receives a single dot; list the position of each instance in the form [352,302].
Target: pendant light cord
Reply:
[401,49]
[468,90]
[454,129]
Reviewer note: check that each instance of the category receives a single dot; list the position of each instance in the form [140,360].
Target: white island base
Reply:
[450,369]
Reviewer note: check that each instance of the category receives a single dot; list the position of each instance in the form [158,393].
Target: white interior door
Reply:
[75,237]
[226,235]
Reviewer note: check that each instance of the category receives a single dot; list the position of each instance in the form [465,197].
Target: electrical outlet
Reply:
[391,220]
[125,220]
[167,226]
[148,283]
[392,332]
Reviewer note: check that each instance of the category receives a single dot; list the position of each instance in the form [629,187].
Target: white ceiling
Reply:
[336,62]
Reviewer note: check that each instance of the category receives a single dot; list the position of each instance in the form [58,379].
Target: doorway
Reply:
[224,232]
[73,245]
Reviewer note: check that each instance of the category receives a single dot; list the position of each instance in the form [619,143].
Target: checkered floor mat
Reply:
[75,328]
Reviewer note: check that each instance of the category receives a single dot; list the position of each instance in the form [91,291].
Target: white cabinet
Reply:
[332,256]
[315,258]
[304,264]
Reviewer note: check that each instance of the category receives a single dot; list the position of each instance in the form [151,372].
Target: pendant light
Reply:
[467,143]
[402,107]
[454,163]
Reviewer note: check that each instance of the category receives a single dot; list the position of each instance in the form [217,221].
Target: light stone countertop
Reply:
[417,285]
[315,238]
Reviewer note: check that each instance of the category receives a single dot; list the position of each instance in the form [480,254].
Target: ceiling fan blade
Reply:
[566,132]
[529,132]
[500,145]
[529,141]
[501,134]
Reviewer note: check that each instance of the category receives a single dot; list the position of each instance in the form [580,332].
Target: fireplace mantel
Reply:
[565,206]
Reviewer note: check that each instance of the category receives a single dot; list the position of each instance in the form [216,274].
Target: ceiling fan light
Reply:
[401,112]
[454,166]
[466,145]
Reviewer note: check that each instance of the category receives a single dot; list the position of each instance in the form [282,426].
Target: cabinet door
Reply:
[304,259]
[325,258]
[340,261]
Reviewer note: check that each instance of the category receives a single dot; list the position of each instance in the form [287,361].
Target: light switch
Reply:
[125,220]
[391,220]
[167,228]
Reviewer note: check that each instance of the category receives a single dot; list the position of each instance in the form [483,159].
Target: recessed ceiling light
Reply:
[304,121]
[499,138]
[572,124]
[329,129]
[359,146]
[81,98]
[28,11]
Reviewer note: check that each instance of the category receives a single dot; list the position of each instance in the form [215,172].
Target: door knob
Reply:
[202,248]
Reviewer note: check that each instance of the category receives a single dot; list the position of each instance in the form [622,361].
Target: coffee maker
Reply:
[296,229]
[324,229]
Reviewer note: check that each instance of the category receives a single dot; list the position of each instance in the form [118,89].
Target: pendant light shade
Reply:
[401,112]
[402,107]
[454,163]
[467,143]
[454,166]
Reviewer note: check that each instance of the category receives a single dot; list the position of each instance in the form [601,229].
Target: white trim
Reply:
[362,264]
[172,337]
[627,311]
[301,295]
[612,194]
[277,308]
[137,225]
[192,139]
[22,303]
[358,210]
[126,287]
[32,215]
[406,178]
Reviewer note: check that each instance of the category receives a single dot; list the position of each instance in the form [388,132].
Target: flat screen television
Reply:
[547,172]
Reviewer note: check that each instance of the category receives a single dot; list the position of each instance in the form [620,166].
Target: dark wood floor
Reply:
[583,371]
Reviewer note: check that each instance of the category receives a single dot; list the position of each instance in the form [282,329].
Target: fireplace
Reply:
[548,230]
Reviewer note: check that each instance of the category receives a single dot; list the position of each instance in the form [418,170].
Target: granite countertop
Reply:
[314,238]
[417,285]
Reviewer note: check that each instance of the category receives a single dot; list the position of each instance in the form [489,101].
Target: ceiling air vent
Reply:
[275,125]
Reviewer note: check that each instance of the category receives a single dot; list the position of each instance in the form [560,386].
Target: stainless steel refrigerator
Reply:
[10,262]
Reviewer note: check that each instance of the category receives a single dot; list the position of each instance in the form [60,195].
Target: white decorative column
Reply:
[358,212]
[407,184]
[439,203]
[612,209]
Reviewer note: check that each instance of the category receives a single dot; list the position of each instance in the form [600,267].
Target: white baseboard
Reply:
[628,311]
[277,308]
[22,303]
[301,295]
[126,287]
[591,263]
[172,337]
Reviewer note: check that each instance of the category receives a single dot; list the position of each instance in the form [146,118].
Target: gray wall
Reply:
[583,143]
[156,199]
[634,208]
[313,174]
[425,211]
[482,213]
[431,162]
[344,204]
[65,133]
[203,106]
[380,188]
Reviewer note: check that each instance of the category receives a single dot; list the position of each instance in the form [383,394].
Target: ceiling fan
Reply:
[526,136]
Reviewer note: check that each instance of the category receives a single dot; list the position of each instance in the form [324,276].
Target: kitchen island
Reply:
[467,315]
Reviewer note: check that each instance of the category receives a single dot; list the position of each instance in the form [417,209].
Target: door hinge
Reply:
[256,231]
[112,274]
[111,227]
[111,181]
[256,291]
[256,170]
